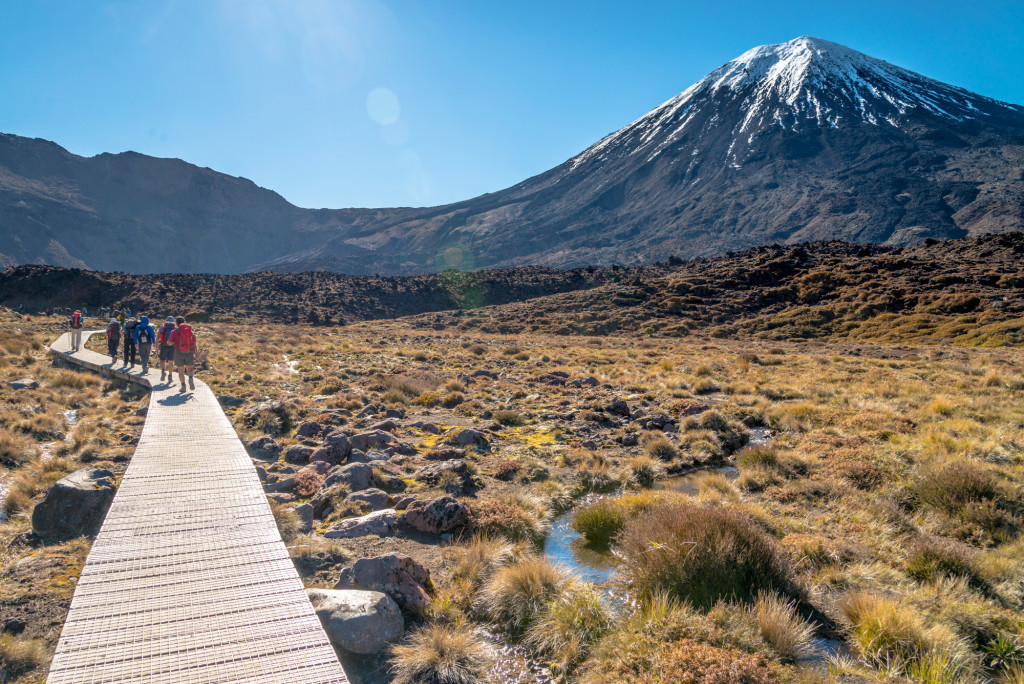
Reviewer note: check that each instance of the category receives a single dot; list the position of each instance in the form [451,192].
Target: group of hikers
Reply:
[175,341]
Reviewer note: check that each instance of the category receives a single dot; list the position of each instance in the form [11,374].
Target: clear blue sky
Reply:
[337,103]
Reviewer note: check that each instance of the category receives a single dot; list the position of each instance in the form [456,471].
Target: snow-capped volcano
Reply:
[805,140]
[801,83]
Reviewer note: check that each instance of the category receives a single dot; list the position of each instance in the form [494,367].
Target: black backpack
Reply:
[144,336]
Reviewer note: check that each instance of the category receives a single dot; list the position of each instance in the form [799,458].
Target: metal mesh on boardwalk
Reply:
[188,579]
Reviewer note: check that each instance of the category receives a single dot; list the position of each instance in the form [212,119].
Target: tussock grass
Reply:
[15,448]
[442,654]
[476,559]
[789,634]
[701,554]
[18,654]
[514,517]
[602,519]
[566,630]
[515,595]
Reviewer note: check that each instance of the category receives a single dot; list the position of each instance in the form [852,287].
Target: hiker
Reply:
[113,338]
[184,342]
[120,317]
[129,342]
[163,338]
[76,331]
[144,336]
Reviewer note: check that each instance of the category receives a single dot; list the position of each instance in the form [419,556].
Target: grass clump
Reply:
[481,555]
[601,520]
[643,471]
[441,654]
[701,554]
[569,626]
[18,654]
[516,594]
[658,446]
[509,418]
[933,559]
[789,634]
[512,518]
[15,448]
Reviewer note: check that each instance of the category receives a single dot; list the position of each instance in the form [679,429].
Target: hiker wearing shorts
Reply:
[113,339]
[144,337]
[163,338]
[129,342]
[76,324]
[184,342]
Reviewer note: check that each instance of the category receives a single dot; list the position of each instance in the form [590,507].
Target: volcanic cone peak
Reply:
[803,83]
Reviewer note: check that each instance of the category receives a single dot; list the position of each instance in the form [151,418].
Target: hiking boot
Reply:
[162,375]
[191,385]
[182,387]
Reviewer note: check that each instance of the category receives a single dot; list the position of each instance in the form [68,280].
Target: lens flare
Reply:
[382,106]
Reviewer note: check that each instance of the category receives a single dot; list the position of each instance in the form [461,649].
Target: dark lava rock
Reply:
[75,505]
[440,515]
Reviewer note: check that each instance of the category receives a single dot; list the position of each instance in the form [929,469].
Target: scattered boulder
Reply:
[23,383]
[281,497]
[444,454]
[298,453]
[327,498]
[381,523]
[429,428]
[230,402]
[275,483]
[433,473]
[405,502]
[375,497]
[362,622]
[357,456]
[481,373]
[385,425]
[458,436]
[265,447]
[589,381]
[310,428]
[142,411]
[357,476]
[337,445]
[440,515]
[375,439]
[75,505]
[618,407]
[305,513]
[396,575]
[394,413]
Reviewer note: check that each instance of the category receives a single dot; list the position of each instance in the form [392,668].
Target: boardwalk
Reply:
[188,579]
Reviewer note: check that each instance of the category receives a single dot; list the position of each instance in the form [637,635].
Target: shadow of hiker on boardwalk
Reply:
[175,400]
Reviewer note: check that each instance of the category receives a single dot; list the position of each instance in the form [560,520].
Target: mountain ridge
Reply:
[800,141]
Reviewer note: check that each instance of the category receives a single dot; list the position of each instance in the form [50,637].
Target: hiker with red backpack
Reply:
[184,342]
[163,338]
[76,324]
[113,339]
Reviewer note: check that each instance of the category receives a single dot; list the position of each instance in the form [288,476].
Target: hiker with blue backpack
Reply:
[184,342]
[144,337]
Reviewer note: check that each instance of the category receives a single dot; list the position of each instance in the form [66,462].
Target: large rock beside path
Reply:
[380,523]
[397,575]
[75,505]
[22,383]
[362,622]
[375,439]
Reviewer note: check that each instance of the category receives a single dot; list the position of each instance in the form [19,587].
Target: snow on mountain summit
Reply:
[803,82]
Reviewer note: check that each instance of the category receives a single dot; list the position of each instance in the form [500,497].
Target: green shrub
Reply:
[701,554]
[599,521]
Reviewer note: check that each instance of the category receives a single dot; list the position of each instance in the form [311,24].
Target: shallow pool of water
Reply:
[568,548]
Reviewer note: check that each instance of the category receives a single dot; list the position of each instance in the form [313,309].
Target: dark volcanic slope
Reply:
[806,140]
[970,289]
[309,297]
